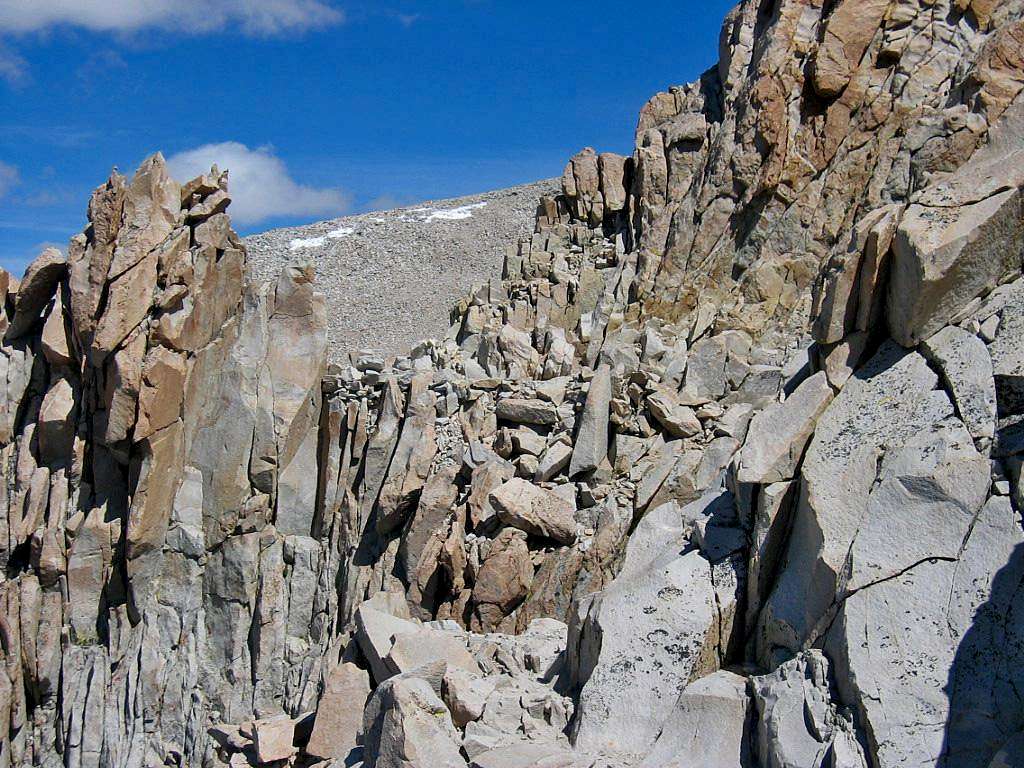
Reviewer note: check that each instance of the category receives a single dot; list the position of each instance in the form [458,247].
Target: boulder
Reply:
[412,650]
[274,739]
[339,715]
[709,726]
[519,410]
[375,633]
[798,722]
[555,459]
[967,371]
[406,725]
[503,580]
[591,445]
[778,435]
[539,512]
[677,419]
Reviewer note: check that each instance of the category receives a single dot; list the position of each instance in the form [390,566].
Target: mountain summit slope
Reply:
[391,277]
[725,470]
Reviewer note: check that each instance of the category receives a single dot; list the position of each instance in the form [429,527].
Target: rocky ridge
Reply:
[725,470]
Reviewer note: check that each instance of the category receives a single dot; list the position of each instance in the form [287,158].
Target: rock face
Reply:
[724,470]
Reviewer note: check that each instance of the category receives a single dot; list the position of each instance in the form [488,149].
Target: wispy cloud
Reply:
[13,68]
[408,19]
[261,185]
[97,65]
[253,17]
[9,178]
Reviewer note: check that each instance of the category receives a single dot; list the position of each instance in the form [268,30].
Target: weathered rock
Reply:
[36,289]
[491,474]
[932,685]
[889,401]
[955,244]
[274,739]
[412,650]
[129,299]
[526,411]
[406,725]
[162,392]
[628,690]
[526,756]
[678,420]
[847,33]
[798,721]
[778,435]
[708,726]
[375,632]
[532,509]
[591,446]
[555,459]
[504,578]
[339,715]
[56,425]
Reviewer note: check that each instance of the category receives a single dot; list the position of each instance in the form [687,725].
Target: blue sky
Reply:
[325,107]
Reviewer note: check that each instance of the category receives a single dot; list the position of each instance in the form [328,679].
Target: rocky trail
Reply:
[723,470]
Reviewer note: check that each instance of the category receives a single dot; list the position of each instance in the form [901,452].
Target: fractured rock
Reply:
[708,725]
[406,725]
[339,715]
[778,435]
[591,445]
[967,370]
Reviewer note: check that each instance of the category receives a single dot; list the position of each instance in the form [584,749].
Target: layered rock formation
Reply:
[726,470]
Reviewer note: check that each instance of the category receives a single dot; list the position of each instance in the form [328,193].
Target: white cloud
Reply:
[9,178]
[261,186]
[254,17]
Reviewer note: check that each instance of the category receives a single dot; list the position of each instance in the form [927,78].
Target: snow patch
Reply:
[340,232]
[307,242]
[455,214]
[427,215]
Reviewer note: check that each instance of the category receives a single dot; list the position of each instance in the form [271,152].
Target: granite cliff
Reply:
[724,471]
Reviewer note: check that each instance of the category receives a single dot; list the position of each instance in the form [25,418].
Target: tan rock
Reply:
[504,578]
[678,420]
[534,510]
[779,434]
[36,289]
[162,391]
[152,202]
[56,426]
[339,715]
[123,380]
[412,650]
[55,344]
[159,477]
[274,739]
[614,181]
[89,258]
[129,300]
[847,33]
